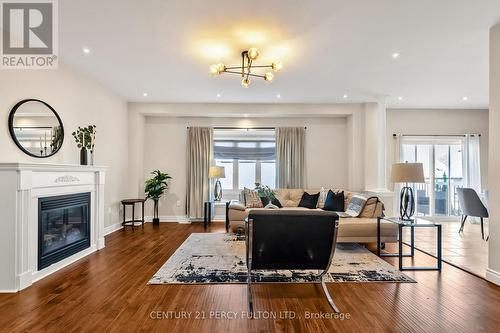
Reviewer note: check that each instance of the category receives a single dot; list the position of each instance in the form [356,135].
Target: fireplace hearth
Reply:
[63,227]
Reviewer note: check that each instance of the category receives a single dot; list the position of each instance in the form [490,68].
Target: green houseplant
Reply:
[264,191]
[85,140]
[154,189]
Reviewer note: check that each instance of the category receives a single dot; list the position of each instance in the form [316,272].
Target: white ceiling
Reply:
[328,48]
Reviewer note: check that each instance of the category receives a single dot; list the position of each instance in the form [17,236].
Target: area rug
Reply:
[220,258]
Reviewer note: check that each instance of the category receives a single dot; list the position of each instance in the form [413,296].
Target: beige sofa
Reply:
[362,229]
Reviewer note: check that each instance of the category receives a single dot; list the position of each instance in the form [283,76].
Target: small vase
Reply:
[83,156]
[91,157]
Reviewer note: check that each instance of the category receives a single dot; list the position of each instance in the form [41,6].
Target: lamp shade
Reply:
[407,173]
[216,172]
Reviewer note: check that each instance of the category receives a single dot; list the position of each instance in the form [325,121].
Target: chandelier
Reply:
[246,70]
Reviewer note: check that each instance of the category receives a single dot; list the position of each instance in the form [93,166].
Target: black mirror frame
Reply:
[11,126]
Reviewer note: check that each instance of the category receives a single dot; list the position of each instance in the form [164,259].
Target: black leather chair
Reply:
[295,240]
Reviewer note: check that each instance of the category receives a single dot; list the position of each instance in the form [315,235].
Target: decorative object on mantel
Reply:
[154,189]
[85,139]
[245,70]
[36,128]
[407,173]
[217,172]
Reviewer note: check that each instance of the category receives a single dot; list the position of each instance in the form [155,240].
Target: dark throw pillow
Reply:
[309,200]
[274,201]
[334,201]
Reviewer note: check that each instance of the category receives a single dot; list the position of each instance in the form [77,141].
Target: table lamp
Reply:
[217,172]
[407,173]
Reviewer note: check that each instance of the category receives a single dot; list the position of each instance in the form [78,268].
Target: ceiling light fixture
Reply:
[86,50]
[465,98]
[278,96]
[400,98]
[395,55]
[245,70]
[218,95]
[345,96]
[145,94]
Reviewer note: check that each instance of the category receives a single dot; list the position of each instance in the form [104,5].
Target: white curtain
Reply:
[473,162]
[199,160]
[290,158]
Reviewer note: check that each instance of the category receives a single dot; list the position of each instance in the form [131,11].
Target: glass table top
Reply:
[416,221]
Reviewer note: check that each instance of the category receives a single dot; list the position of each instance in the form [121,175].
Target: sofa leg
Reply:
[328,297]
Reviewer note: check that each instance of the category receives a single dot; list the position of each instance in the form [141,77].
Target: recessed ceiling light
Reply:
[345,96]
[395,55]
[400,98]
[465,98]
[278,96]
[145,94]
[245,115]
[86,50]
[218,95]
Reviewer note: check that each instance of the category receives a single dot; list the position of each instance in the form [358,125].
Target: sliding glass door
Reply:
[443,162]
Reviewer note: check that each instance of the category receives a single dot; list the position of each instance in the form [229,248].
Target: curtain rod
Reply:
[243,128]
[448,135]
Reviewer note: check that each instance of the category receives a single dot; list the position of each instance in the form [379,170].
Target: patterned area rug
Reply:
[220,258]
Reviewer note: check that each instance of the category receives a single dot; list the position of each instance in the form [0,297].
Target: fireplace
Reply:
[63,227]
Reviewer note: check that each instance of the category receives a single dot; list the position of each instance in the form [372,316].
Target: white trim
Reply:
[112,228]
[169,218]
[493,276]
[182,219]
[8,291]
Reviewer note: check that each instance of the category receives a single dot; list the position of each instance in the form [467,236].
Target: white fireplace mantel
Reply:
[22,184]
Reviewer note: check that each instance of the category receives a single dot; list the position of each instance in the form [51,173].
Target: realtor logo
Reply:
[29,34]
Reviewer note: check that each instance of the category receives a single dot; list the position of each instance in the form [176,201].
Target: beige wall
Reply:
[165,148]
[493,273]
[78,101]
[440,121]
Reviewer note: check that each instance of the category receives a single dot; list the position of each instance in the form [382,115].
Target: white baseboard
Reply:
[169,218]
[112,228]
[8,291]
[493,276]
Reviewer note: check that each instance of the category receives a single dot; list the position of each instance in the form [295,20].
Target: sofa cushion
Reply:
[365,227]
[237,206]
[252,199]
[373,208]
[309,200]
[289,197]
[334,201]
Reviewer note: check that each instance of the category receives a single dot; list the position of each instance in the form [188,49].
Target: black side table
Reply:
[132,202]
[208,206]
[416,223]
[209,211]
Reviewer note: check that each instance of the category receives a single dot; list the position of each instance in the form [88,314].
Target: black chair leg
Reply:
[482,229]
[464,217]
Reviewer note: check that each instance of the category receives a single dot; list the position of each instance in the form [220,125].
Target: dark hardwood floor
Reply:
[108,291]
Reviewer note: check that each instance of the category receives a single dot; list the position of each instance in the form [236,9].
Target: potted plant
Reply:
[85,140]
[155,187]
[265,193]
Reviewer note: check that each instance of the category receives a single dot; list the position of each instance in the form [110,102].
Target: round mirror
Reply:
[36,128]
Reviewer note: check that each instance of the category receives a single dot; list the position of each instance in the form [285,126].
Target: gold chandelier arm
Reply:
[247,74]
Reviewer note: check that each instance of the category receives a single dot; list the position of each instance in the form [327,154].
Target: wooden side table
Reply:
[132,202]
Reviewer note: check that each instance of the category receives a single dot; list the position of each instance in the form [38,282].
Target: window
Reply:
[443,164]
[247,157]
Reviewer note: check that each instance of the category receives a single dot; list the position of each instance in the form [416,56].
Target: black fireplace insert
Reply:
[63,227]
